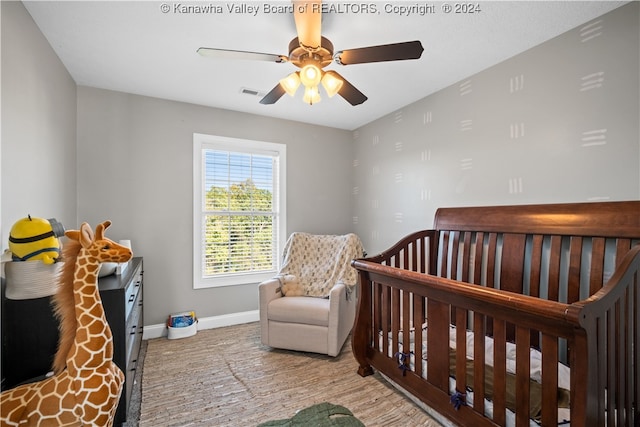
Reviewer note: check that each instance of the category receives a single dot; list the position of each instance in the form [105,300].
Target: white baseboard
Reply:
[160,330]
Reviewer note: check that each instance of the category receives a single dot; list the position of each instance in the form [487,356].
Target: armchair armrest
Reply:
[342,313]
[267,292]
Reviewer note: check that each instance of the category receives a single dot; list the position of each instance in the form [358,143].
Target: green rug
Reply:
[320,415]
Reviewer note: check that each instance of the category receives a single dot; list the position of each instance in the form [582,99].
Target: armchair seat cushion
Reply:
[305,310]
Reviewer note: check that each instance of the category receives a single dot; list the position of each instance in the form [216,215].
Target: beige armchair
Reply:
[311,304]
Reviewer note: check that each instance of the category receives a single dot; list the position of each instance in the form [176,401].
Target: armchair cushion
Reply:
[310,311]
[321,261]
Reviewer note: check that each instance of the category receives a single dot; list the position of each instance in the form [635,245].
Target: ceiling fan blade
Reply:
[308,17]
[348,91]
[240,54]
[386,52]
[273,96]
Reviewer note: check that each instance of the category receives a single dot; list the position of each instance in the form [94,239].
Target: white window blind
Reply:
[238,200]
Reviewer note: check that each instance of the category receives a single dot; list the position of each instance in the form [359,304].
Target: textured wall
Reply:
[557,123]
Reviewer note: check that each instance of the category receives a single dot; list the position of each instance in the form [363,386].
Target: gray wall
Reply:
[38,126]
[557,123]
[135,168]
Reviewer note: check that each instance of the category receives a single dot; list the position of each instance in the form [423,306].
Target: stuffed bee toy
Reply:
[35,239]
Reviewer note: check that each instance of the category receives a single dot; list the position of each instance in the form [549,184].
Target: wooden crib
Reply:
[561,281]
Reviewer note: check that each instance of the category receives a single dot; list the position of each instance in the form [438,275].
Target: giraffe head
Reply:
[98,247]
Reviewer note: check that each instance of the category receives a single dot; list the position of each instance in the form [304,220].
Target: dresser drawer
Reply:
[133,328]
[132,291]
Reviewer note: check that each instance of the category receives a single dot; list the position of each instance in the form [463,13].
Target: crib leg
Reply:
[365,371]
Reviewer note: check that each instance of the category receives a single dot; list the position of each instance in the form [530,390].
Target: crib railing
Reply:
[431,299]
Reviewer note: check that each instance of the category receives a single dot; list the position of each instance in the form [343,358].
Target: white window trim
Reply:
[201,141]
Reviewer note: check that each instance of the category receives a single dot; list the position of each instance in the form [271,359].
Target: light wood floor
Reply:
[226,377]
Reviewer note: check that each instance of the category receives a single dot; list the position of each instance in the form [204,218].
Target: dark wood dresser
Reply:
[30,334]
[122,300]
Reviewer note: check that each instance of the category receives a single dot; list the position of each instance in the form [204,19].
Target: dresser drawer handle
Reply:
[133,330]
[132,297]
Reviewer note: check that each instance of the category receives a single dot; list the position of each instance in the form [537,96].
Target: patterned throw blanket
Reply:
[318,262]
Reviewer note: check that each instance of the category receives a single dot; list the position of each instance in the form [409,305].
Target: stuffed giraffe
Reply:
[86,385]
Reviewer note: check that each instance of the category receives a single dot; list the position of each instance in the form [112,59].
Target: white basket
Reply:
[182,332]
[31,279]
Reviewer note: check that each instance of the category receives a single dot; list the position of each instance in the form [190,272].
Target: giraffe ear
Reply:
[100,229]
[72,234]
[86,235]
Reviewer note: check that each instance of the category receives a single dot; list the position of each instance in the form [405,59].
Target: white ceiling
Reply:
[132,46]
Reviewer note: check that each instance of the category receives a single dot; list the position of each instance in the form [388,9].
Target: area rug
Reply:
[227,377]
[323,414]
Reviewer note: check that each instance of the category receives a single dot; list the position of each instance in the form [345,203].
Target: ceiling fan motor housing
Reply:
[301,55]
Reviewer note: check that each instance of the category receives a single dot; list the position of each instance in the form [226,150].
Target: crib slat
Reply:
[623,353]
[499,371]
[522,376]
[597,265]
[444,257]
[477,265]
[461,352]
[478,363]
[622,247]
[424,255]
[454,255]
[549,380]
[628,352]
[386,317]
[611,374]
[536,265]
[466,255]
[575,257]
[601,334]
[377,321]
[406,322]
[438,344]
[395,319]
[491,260]
[511,269]
[554,268]
[405,257]
[418,320]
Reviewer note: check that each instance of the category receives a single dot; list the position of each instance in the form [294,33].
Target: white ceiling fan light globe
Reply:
[290,83]
[310,75]
[311,95]
[331,84]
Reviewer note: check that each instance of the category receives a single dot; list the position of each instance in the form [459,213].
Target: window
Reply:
[239,210]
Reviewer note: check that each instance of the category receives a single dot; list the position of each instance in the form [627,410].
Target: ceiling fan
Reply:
[311,52]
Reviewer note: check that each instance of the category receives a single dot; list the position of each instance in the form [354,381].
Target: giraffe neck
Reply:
[93,345]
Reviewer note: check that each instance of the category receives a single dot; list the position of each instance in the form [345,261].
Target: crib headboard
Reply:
[536,249]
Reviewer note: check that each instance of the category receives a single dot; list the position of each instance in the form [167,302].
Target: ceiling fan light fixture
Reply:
[310,75]
[311,95]
[331,84]
[290,83]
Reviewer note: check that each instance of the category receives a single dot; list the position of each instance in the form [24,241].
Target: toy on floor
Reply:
[86,386]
